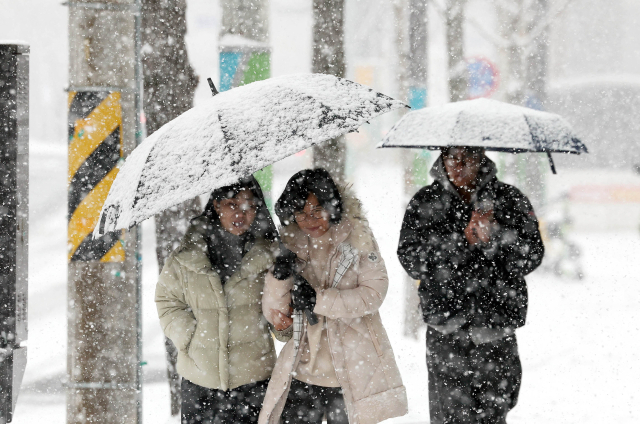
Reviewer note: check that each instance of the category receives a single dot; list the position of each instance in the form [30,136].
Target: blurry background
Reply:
[579,348]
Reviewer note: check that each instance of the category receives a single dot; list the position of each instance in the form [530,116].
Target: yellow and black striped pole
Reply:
[95,149]
[104,344]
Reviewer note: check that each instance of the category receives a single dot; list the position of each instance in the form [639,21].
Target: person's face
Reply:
[313,220]
[462,166]
[237,213]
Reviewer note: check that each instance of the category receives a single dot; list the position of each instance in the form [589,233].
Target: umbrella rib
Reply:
[551,164]
[451,140]
[535,142]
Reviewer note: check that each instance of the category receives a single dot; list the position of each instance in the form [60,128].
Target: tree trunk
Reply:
[169,85]
[329,58]
[248,18]
[415,92]
[525,79]
[455,47]
[418,37]
[513,27]
[536,95]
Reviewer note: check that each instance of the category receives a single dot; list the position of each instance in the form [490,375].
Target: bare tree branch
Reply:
[540,28]
[515,39]
[490,36]
[439,8]
[507,5]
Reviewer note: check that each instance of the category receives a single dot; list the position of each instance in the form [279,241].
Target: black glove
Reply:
[303,298]
[284,265]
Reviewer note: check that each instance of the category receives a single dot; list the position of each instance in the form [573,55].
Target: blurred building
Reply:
[594,79]
[594,82]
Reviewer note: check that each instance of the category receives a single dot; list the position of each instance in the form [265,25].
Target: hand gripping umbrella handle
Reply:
[312,318]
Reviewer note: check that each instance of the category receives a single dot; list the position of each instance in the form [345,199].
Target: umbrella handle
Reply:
[312,318]
[212,86]
[551,164]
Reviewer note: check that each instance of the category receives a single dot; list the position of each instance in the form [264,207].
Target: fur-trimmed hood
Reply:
[353,225]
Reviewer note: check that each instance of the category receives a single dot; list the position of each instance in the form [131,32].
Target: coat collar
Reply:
[192,254]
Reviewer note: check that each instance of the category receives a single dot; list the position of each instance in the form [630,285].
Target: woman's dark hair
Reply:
[316,181]
[263,225]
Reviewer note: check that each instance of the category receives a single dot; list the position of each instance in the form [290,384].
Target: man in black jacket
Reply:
[470,240]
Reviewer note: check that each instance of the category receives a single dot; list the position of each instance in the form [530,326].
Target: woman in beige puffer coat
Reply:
[343,367]
[209,297]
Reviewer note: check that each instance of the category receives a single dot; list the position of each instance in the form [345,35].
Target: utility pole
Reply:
[14,222]
[454,16]
[104,321]
[245,56]
[416,171]
[169,86]
[329,58]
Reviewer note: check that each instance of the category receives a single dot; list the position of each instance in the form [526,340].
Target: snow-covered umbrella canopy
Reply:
[485,123]
[233,135]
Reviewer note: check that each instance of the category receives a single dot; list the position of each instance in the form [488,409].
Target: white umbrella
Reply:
[485,123]
[233,135]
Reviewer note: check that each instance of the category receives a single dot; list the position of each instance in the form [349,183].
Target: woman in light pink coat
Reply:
[341,367]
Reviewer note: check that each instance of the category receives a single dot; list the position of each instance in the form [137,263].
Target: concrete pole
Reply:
[104,325]
[329,58]
[245,57]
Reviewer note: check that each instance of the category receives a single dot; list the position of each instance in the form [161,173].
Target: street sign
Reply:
[484,77]
[95,149]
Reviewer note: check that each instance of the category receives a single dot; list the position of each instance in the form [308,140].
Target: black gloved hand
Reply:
[284,265]
[303,296]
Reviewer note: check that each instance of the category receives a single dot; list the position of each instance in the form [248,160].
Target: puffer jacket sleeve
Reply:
[517,246]
[277,296]
[367,297]
[434,250]
[432,235]
[176,317]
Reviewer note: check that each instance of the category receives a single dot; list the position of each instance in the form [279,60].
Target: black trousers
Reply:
[307,403]
[210,406]
[469,383]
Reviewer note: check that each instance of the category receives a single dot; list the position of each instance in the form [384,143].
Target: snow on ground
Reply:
[579,348]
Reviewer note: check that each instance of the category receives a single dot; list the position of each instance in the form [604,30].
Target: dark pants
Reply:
[307,403]
[240,405]
[469,383]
